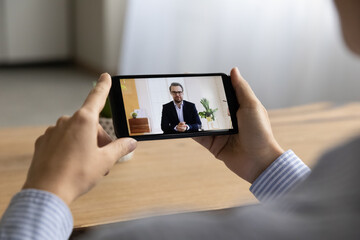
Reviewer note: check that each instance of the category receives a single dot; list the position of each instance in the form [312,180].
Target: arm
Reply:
[69,159]
[166,126]
[196,119]
[36,214]
[286,172]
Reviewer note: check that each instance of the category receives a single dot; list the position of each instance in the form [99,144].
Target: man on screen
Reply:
[179,115]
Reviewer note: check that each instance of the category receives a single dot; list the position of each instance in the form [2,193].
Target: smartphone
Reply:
[150,107]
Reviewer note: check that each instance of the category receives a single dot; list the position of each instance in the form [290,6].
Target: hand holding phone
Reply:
[254,148]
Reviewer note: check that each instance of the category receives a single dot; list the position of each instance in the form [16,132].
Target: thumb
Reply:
[244,94]
[120,147]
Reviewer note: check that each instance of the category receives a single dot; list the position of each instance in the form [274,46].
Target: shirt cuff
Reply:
[281,176]
[36,214]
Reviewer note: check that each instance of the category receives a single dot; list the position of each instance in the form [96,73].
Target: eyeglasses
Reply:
[175,93]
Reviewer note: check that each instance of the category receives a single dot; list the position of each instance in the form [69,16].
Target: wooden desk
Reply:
[171,176]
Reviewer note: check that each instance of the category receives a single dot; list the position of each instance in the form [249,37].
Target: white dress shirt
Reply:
[180,113]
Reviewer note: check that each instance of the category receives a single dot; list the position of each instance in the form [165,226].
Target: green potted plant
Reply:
[209,113]
[134,115]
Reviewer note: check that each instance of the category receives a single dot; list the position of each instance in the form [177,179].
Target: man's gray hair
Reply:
[175,84]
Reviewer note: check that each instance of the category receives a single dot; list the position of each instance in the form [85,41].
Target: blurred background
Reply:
[290,51]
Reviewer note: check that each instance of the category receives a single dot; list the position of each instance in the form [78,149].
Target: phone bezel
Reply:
[118,109]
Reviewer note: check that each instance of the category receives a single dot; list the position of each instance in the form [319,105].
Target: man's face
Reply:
[177,93]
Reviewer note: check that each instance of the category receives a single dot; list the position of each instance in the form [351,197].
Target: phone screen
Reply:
[175,106]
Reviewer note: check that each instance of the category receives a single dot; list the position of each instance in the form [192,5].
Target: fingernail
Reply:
[102,76]
[132,144]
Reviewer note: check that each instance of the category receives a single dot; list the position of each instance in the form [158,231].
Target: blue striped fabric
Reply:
[35,214]
[281,176]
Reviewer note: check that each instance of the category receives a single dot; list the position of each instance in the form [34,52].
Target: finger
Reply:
[96,99]
[62,120]
[119,148]
[218,144]
[39,141]
[103,138]
[244,94]
[49,130]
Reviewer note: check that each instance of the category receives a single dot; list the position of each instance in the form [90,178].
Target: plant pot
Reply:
[210,123]
[107,125]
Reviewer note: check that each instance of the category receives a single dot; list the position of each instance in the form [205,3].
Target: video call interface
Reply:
[175,105]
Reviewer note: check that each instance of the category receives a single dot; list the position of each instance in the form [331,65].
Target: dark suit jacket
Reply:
[169,118]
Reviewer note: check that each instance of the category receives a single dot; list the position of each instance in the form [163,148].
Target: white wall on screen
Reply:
[144,99]
[153,93]
[156,94]
[206,87]
[224,103]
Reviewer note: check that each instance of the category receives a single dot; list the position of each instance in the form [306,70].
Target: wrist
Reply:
[65,196]
[264,162]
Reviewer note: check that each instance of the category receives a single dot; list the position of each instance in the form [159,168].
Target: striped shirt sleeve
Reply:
[281,176]
[36,214]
